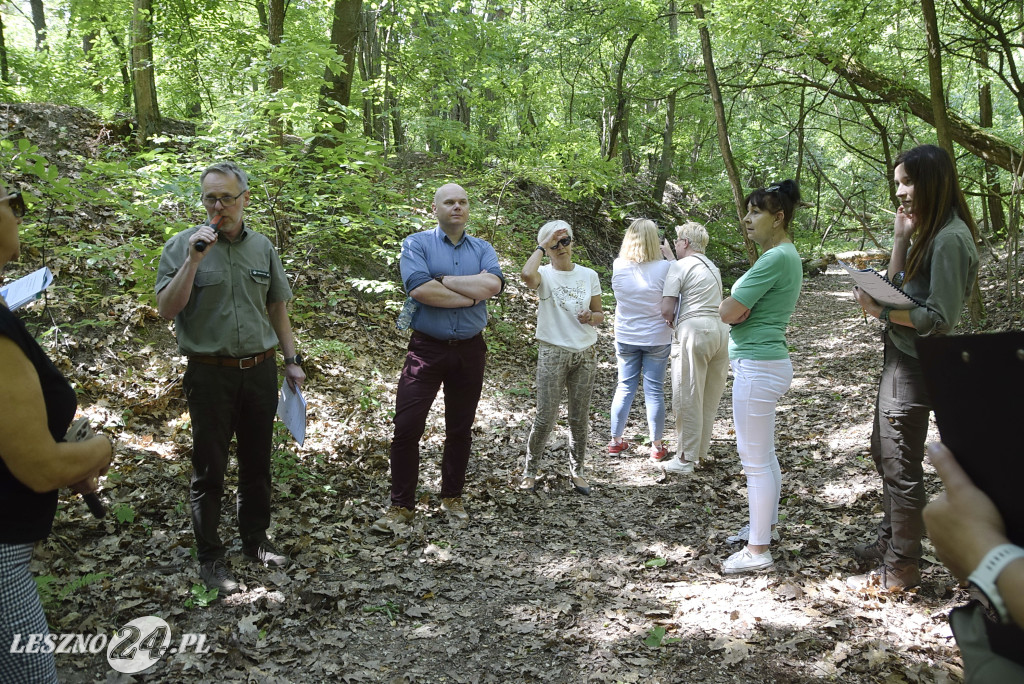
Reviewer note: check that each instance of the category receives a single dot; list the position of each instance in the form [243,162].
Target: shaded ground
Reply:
[545,587]
[621,586]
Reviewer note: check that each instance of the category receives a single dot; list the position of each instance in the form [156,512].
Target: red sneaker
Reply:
[616,449]
[659,453]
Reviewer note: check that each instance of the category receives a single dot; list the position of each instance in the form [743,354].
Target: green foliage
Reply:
[51,593]
[201,597]
[123,513]
[656,638]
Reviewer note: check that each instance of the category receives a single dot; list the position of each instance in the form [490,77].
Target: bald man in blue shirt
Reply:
[450,275]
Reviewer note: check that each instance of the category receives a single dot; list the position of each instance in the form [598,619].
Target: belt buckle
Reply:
[250,359]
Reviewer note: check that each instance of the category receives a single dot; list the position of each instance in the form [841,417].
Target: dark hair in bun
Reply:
[776,197]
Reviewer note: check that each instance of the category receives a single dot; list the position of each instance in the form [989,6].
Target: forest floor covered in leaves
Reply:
[620,586]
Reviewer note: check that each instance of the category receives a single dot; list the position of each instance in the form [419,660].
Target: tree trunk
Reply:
[621,101]
[667,148]
[723,132]
[337,87]
[275,80]
[965,133]
[147,111]
[938,95]
[5,74]
[39,23]
[992,188]
[370,70]
[125,64]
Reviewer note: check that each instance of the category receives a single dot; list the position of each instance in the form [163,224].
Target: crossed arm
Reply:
[455,292]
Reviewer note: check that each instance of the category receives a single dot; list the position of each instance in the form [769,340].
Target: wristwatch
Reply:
[297,360]
[987,573]
[883,315]
[542,250]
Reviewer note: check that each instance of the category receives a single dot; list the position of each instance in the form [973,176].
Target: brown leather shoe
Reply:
[873,552]
[887,578]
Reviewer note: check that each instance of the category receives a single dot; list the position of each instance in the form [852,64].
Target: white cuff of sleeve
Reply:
[987,573]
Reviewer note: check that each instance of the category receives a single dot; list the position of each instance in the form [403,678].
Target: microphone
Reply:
[201,244]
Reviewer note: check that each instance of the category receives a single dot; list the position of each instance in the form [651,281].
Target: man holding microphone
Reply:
[225,288]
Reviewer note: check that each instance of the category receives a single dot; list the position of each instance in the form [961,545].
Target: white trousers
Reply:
[756,388]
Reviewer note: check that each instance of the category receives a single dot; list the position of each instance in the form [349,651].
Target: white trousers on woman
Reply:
[756,388]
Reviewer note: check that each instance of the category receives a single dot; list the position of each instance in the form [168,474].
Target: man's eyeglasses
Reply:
[564,242]
[16,202]
[226,201]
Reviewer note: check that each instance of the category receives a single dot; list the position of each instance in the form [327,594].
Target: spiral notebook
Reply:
[976,386]
[879,287]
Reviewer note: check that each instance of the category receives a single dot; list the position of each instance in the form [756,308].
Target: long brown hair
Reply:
[937,199]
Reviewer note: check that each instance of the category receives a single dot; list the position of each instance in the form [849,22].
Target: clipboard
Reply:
[880,287]
[976,387]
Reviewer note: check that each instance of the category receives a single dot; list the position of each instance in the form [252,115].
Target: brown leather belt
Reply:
[247,362]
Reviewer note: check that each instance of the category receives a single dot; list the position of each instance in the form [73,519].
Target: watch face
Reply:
[298,359]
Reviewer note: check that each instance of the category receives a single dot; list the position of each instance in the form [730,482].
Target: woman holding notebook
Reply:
[935,260]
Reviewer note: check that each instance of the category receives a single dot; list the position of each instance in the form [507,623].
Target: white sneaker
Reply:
[745,561]
[744,535]
[676,466]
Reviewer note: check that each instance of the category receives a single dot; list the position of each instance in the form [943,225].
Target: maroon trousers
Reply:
[429,364]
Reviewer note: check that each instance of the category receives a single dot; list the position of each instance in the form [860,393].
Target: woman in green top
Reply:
[758,310]
[933,245]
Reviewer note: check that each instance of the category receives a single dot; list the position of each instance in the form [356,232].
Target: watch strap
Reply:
[884,314]
[542,250]
[987,573]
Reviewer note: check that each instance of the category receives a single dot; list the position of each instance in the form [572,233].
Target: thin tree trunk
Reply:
[337,85]
[39,23]
[992,188]
[147,111]
[5,75]
[938,96]
[621,100]
[667,148]
[275,80]
[723,132]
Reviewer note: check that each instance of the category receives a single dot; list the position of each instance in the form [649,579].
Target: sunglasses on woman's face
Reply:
[564,242]
[16,202]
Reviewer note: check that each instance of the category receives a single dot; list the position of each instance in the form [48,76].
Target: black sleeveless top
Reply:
[28,516]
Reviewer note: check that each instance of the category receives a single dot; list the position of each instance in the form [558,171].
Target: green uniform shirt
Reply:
[770,290]
[943,284]
[226,314]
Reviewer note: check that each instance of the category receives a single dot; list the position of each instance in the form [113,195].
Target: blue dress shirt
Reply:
[430,254]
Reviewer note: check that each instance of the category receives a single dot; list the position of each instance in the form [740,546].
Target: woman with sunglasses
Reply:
[936,261]
[642,339]
[758,309]
[568,309]
[37,405]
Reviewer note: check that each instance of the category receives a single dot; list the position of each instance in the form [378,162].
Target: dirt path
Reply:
[621,586]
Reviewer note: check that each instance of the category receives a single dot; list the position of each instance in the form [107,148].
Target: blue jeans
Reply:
[634,360]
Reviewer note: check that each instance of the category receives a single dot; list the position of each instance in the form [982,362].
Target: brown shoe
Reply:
[887,578]
[396,516]
[454,508]
[873,552]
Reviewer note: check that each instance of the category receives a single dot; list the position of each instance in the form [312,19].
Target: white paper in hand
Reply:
[291,409]
[24,290]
